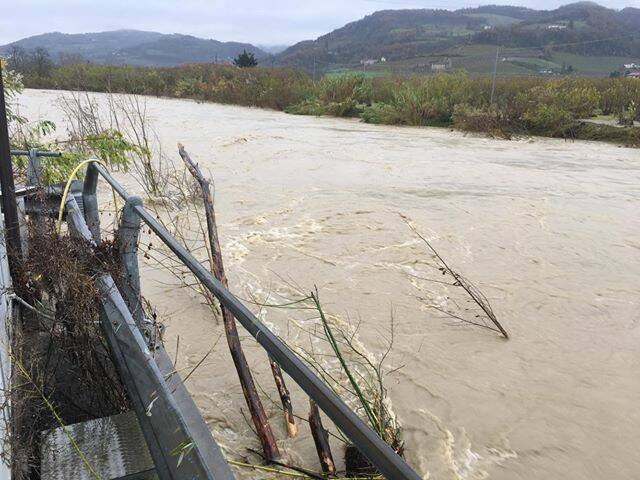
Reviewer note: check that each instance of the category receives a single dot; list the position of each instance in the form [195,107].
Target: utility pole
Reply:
[7,186]
[495,72]
[314,67]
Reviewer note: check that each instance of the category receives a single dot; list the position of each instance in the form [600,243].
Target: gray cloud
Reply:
[262,22]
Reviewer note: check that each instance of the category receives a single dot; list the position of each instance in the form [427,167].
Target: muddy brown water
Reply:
[548,229]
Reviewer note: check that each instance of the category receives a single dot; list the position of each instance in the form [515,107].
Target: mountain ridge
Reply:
[395,35]
[133,47]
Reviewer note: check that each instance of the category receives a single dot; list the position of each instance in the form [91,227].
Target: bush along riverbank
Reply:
[562,107]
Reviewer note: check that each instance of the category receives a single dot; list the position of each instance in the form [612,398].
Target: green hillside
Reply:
[581,38]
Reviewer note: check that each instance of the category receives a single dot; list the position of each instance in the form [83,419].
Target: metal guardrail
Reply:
[34,153]
[169,420]
[390,464]
[34,169]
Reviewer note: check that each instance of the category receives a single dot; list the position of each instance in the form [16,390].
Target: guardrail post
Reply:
[80,230]
[127,238]
[34,168]
[90,201]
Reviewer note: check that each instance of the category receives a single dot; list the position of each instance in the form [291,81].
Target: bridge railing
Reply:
[388,462]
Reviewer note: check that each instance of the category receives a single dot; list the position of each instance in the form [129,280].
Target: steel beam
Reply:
[7,186]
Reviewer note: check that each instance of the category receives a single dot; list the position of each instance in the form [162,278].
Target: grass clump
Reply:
[343,95]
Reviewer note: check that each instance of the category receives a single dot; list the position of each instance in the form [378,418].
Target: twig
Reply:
[474,293]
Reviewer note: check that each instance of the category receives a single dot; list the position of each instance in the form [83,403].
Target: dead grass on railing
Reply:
[63,372]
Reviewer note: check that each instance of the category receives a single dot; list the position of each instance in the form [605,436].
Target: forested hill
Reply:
[583,28]
[580,38]
[130,47]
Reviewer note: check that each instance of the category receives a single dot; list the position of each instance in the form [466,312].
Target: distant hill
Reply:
[580,38]
[583,28]
[133,47]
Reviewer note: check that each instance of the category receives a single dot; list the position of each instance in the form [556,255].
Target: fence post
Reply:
[90,202]
[34,168]
[173,431]
[127,239]
[9,208]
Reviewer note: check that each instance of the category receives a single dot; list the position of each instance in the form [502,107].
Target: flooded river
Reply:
[548,229]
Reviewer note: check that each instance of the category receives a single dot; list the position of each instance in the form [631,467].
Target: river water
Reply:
[548,229]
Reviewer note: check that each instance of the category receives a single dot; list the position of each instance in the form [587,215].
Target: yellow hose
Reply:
[65,192]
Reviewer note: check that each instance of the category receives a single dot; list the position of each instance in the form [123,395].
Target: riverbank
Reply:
[548,107]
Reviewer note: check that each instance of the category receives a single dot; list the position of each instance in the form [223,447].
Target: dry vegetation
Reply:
[554,107]
[63,371]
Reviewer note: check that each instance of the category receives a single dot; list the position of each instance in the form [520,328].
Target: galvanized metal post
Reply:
[129,281]
[90,201]
[7,186]
[34,169]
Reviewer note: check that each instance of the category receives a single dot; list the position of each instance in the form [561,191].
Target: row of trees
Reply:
[38,62]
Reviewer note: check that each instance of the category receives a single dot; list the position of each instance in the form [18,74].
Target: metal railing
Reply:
[34,168]
[178,439]
[388,462]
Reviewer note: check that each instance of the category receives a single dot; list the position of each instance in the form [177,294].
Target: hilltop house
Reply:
[440,65]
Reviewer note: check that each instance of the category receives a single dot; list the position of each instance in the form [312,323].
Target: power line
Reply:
[495,73]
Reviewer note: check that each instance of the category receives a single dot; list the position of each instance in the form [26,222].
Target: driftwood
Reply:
[321,439]
[459,281]
[285,398]
[258,415]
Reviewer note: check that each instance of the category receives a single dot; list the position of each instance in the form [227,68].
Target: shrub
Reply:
[627,116]
[343,95]
[475,119]
[547,119]
[429,101]
[537,105]
[346,87]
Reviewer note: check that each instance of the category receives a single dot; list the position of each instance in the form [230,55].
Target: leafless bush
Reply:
[118,133]
[480,313]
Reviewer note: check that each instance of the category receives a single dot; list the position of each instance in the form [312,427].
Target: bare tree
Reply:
[18,59]
[42,63]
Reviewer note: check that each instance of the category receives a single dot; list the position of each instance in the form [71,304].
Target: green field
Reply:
[495,20]
[512,62]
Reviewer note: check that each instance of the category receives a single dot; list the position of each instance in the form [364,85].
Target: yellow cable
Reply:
[65,192]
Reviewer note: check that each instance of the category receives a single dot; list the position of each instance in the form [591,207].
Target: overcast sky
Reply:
[262,22]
